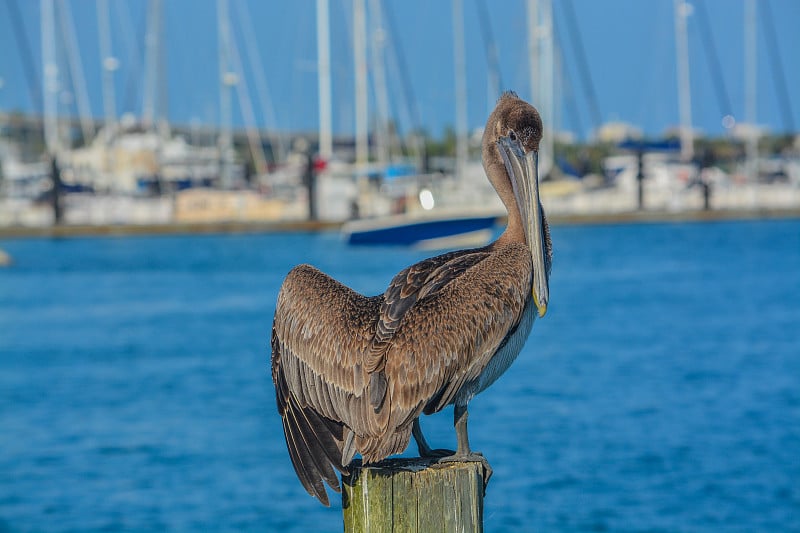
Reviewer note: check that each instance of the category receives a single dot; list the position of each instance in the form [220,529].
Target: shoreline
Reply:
[214,228]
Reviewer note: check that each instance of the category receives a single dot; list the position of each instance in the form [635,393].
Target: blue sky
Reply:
[629,45]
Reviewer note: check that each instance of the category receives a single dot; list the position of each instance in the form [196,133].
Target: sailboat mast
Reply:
[682,11]
[262,87]
[109,64]
[533,49]
[246,107]
[461,87]
[751,86]
[324,80]
[381,96]
[547,81]
[542,72]
[49,76]
[76,72]
[152,49]
[492,63]
[227,80]
[360,60]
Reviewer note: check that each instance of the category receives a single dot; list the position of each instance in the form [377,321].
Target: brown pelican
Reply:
[353,373]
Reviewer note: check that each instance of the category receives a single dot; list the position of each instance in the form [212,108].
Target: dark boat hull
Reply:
[422,232]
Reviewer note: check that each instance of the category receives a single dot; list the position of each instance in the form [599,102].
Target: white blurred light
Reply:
[728,122]
[426,199]
[111,63]
[230,78]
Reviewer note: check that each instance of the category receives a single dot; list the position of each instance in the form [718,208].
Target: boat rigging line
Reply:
[25,51]
[583,65]
[712,57]
[405,82]
[564,78]
[777,66]
[495,79]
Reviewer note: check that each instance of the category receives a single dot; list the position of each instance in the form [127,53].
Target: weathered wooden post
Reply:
[413,495]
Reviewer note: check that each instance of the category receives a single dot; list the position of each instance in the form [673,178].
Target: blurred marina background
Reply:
[660,393]
[231,111]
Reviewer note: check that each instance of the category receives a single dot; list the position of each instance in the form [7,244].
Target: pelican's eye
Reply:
[512,135]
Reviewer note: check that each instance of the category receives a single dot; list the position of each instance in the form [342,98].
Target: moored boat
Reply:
[435,229]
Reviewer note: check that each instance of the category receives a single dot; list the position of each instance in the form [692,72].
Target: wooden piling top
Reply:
[413,495]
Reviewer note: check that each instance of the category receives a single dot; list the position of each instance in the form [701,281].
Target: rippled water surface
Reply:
[660,393]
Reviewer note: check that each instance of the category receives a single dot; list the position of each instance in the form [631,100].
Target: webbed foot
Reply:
[472,457]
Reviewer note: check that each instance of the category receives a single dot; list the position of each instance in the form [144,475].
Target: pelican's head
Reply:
[510,157]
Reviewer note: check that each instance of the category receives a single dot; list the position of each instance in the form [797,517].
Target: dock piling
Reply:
[414,496]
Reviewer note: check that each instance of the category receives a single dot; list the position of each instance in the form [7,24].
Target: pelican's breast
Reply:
[508,351]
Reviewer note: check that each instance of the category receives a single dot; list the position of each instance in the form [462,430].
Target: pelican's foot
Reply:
[472,457]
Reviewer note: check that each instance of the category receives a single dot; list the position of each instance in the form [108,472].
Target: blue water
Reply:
[660,393]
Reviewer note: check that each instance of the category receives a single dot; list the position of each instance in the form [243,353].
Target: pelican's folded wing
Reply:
[449,336]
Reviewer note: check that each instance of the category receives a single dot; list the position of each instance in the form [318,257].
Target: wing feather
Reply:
[408,286]
[321,331]
[449,336]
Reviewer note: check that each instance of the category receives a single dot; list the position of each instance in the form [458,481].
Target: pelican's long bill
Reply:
[523,170]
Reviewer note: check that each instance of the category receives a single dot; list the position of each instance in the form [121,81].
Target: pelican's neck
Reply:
[515,231]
